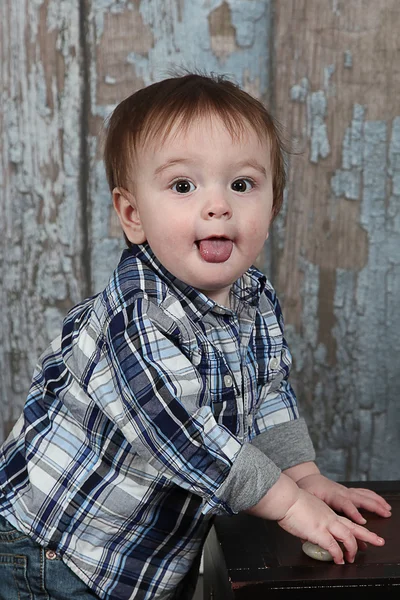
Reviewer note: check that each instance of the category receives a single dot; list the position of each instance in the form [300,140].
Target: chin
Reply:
[211,287]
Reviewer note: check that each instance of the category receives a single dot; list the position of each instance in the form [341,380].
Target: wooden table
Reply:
[248,558]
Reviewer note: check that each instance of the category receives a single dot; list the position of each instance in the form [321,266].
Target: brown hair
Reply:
[151,112]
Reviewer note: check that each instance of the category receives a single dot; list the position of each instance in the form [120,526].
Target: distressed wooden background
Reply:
[330,72]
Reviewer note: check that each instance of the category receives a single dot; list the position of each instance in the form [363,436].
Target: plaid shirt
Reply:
[155,410]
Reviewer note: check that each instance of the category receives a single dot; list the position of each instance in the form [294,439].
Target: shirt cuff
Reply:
[251,476]
[287,444]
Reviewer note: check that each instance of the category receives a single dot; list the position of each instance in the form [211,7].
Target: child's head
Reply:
[196,168]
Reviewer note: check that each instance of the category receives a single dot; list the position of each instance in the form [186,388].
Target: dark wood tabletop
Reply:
[254,554]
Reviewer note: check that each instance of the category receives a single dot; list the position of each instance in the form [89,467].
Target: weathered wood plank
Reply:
[40,228]
[337,244]
[135,44]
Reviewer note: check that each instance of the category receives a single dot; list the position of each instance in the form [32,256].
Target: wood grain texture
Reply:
[40,228]
[336,245]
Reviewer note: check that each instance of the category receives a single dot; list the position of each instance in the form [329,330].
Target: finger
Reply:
[371,501]
[371,494]
[346,537]
[351,511]
[362,533]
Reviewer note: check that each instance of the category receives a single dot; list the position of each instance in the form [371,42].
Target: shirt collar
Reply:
[247,289]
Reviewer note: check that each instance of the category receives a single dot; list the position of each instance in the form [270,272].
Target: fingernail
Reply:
[381,540]
[364,521]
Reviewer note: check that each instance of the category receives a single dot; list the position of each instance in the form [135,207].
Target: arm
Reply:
[289,445]
[300,498]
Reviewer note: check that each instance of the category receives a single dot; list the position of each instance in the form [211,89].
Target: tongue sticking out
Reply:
[215,250]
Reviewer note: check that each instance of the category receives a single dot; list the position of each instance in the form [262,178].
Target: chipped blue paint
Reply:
[347,181]
[394,157]
[247,18]
[347,184]
[329,87]
[316,108]
[335,7]
[365,305]
[174,40]
[298,92]
[348,59]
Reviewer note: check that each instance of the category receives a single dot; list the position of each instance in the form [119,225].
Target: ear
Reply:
[127,210]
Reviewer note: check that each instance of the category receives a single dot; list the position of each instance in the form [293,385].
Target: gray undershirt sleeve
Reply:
[287,444]
[251,476]
[260,463]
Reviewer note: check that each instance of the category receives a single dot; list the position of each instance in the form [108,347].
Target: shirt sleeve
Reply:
[278,429]
[149,388]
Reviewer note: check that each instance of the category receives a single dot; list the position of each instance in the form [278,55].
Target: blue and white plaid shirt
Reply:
[155,410]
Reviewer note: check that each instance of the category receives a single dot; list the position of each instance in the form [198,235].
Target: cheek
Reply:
[170,233]
[258,228]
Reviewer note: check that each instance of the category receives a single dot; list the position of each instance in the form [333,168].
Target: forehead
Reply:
[209,129]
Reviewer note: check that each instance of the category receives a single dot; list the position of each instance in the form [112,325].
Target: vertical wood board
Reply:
[40,228]
[337,82]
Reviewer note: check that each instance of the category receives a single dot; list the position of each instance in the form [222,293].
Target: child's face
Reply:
[203,203]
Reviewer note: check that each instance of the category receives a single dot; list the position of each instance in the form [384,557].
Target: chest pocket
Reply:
[220,387]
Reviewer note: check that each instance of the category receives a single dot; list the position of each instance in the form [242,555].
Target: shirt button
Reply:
[50,554]
[274,363]
[228,380]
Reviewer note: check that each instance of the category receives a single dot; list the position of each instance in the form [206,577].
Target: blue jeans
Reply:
[30,572]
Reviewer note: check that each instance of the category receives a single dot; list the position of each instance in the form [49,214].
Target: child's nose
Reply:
[217,206]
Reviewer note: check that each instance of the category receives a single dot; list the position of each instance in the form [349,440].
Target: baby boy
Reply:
[166,399]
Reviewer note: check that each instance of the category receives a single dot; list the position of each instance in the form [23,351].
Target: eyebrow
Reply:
[253,164]
[171,163]
[186,161]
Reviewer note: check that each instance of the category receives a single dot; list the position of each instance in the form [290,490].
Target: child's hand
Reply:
[345,500]
[311,519]
[308,517]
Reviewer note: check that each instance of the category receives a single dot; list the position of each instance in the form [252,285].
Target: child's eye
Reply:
[183,186]
[245,184]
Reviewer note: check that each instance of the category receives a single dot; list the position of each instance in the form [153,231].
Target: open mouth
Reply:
[215,249]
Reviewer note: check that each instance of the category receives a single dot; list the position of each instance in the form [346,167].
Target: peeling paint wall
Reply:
[329,70]
[337,246]
[40,243]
